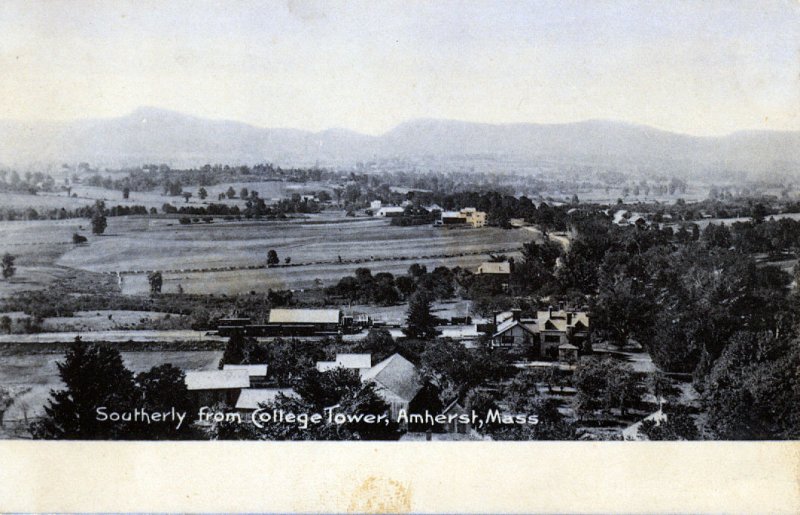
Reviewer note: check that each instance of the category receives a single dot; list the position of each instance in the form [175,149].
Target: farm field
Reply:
[730,221]
[695,193]
[32,376]
[114,336]
[267,190]
[292,278]
[43,201]
[103,320]
[212,258]
[81,195]
[208,258]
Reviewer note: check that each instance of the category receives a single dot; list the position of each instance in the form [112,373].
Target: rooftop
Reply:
[397,375]
[452,214]
[351,361]
[259,370]
[304,316]
[510,324]
[489,267]
[251,398]
[217,379]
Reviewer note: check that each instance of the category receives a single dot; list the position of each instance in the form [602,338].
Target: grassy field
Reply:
[103,320]
[207,258]
[42,201]
[83,195]
[32,376]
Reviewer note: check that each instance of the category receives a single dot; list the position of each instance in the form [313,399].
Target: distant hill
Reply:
[150,135]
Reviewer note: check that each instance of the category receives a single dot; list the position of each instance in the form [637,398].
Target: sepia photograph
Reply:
[275,248]
[405,222]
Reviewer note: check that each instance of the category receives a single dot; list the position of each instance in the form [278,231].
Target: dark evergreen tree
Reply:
[95,377]
[99,222]
[160,390]
[156,280]
[8,265]
[241,350]
[420,323]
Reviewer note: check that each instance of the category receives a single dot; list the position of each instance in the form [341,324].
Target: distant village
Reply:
[551,340]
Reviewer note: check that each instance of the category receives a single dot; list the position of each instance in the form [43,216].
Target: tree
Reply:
[416,270]
[406,285]
[603,384]
[94,377]
[455,369]
[78,239]
[244,193]
[126,192]
[5,323]
[161,389]
[379,343]
[156,280]
[758,213]
[661,387]
[6,400]
[677,424]
[230,193]
[752,391]
[623,309]
[272,258]
[243,351]
[187,195]
[7,265]
[550,423]
[521,390]
[202,193]
[99,222]
[420,323]
[481,402]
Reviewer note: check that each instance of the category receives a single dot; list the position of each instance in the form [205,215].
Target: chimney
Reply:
[569,318]
[516,314]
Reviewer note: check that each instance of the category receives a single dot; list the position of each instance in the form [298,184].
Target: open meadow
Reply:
[228,256]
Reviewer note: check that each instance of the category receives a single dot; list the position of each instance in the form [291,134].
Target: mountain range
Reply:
[151,135]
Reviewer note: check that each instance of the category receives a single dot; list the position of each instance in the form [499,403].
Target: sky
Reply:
[703,67]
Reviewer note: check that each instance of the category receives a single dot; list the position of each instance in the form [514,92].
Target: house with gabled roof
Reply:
[553,334]
[397,381]
[514,333]
[559,327]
